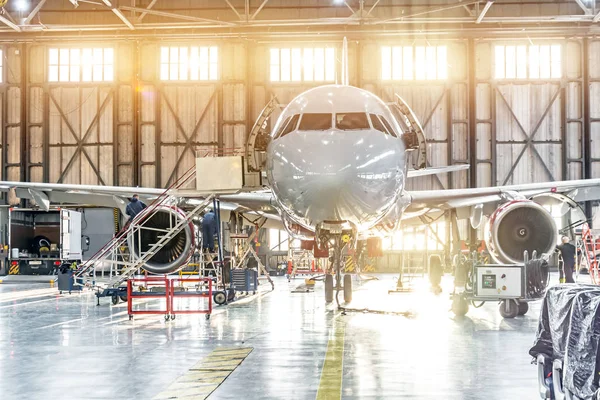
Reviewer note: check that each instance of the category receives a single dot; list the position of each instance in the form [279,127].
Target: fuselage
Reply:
[336,155]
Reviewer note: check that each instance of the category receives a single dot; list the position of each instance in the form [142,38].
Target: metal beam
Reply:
[585,9]
[152,3]
[119,14]
[350,8]
[488,5]
[233,9]
[9,23]
[172,15]
[596,17]
[434,10]
[34,12]
[258,9]
[372,8]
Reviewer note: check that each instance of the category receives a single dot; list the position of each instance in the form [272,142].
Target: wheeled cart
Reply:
[511,285]
[66,281]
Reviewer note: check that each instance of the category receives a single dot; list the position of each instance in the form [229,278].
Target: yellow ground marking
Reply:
[330,386]
[207,375]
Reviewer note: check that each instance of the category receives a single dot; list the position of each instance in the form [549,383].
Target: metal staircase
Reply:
[111,253]
[588,250]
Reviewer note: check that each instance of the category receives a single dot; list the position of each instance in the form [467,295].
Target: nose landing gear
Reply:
[337,240]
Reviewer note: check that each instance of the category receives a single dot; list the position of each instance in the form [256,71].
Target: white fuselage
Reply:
[336,155]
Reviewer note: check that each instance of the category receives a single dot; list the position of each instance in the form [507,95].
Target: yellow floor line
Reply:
[207,375]
[330,386]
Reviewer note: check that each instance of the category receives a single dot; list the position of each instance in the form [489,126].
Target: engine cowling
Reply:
[176,253]
[517,226]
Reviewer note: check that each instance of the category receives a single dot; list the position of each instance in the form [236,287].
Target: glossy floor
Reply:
[65,347]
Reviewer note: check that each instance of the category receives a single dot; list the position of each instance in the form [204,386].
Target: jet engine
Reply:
[517,226]
[176,253]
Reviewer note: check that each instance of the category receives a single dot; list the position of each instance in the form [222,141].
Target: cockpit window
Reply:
[376,122]
[388,126]
[291,125]
[315,122]
[351,121]
[282,127]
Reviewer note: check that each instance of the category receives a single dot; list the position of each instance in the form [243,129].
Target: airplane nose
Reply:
[337,176]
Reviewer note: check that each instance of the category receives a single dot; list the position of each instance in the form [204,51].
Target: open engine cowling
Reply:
[518,226]
[176,253]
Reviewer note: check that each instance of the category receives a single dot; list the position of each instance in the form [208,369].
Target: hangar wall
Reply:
[139,130]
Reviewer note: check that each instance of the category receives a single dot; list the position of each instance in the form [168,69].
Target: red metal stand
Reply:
[169,295]
[188,294]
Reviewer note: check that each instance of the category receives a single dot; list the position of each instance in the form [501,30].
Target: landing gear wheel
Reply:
[220,298]
[523,308]
[460,306]
[130,317]
[328,288]
[207,316]
[166,317]
[347,288]
[173,317]
[230,294]
[123,298]
[508,309]
[435,273]
[115,299]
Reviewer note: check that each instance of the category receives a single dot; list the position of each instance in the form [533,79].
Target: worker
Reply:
[209,230]
[134,207]
[568,252]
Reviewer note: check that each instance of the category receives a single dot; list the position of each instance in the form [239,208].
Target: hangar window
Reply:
[278,240]
[528,62]
[81,64]
[189,63]
[302,64]
[315,122]
[414,62]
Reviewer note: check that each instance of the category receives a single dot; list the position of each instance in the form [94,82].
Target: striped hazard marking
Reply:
[206,376]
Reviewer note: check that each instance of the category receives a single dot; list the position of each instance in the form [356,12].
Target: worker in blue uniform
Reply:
[209,230]
[134,207]
[568,252]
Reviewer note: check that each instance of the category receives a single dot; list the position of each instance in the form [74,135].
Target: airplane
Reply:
[337,163]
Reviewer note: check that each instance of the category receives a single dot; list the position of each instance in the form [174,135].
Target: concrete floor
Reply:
[64,347]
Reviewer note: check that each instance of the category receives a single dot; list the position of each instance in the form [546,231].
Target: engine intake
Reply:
[176,253]
[518,226]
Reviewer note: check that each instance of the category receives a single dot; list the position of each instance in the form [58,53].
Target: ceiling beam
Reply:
[176,16]
[34,12]
[258,9]
[119,14]
[488,5]
[596,17]
[152,3]
[433,10]
[585,9]
[10,23]
[350,8]
[233,9]
[372,7]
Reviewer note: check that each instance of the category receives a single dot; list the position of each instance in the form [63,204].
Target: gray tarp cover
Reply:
[569,330]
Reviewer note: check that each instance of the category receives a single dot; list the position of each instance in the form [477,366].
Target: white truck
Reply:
[41,241]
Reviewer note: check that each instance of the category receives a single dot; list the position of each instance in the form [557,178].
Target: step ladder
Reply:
[588,248]
[111,253]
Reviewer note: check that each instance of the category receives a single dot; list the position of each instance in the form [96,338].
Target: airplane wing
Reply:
[45,194]
[413,173]
[578,190]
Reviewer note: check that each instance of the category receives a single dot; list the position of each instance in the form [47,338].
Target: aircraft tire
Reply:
[347,288]
[328,288]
